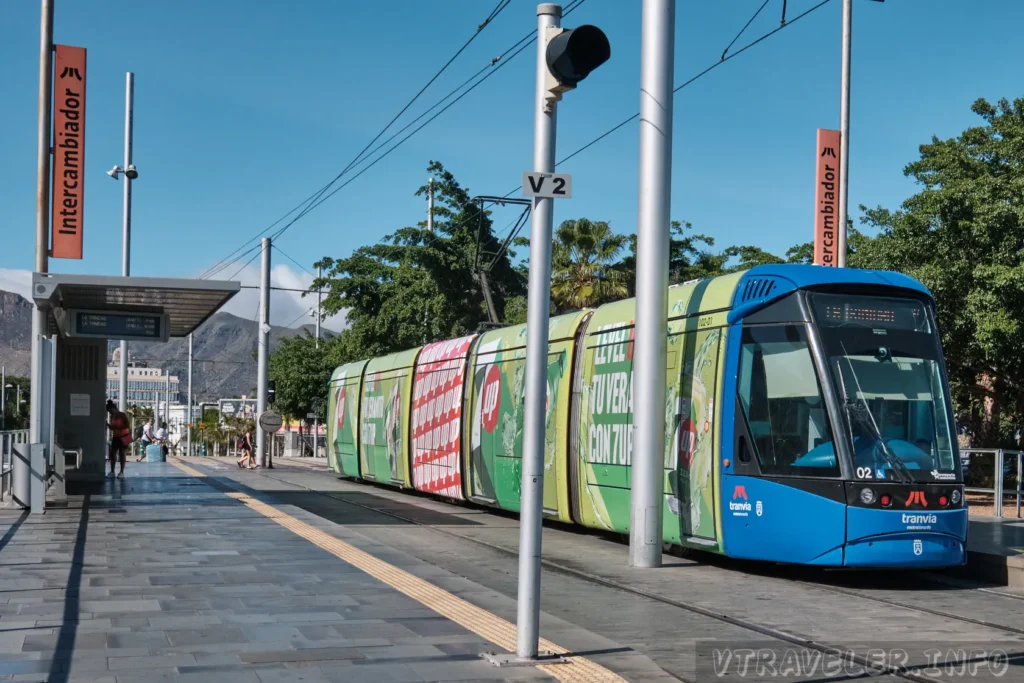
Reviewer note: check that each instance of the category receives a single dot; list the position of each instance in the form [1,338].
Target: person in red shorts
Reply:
[120,437]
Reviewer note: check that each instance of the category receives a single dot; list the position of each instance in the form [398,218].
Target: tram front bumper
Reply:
[906,549]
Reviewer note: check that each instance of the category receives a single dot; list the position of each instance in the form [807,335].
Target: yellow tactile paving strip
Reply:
[481,622]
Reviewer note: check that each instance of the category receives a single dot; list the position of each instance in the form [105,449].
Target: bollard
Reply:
[37,483]
[21,474]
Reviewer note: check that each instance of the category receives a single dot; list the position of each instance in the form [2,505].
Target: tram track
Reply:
[845,654]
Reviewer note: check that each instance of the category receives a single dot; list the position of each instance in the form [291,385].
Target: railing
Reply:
[1003,462]
[8,439]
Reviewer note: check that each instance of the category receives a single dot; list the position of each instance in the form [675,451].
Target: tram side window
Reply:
[781,399]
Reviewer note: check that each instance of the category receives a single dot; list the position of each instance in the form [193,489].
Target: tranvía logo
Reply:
[739,492]
[920,519]
[945,476]
[918,498]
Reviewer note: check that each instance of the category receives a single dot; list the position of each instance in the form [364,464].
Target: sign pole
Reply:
[844,130]
[126,231]
[649,355]
[42,204]
[189,395]
[535,398]
[263,356]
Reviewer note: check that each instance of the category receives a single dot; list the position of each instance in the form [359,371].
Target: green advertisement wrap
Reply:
[605,405]
[343,419]
[384,418]
[496,408]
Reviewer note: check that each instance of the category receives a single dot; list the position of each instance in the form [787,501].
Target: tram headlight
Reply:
[955,496]
[867,496]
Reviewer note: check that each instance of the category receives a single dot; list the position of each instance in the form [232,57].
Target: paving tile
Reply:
[151,662]
[206,636]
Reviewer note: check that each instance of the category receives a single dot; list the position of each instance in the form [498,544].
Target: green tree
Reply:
[583,260]
[16,416]
[416,286]
[301,370]
[962,236]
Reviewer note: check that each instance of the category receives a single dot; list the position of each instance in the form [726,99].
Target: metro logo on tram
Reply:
[916,497]
[739,492]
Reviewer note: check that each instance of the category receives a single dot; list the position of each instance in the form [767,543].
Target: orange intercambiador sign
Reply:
[68,152]
[826,199]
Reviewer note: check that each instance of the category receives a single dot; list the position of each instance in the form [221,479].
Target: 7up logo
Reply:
[491,396]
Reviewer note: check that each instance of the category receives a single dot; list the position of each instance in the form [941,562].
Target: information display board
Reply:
[116,325]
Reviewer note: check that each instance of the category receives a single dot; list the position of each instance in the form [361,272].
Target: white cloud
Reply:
[286,308]
[17,281]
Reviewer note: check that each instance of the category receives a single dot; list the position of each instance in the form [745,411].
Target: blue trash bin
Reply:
[154,453]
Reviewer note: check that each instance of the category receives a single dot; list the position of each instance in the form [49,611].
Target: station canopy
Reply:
[102,306]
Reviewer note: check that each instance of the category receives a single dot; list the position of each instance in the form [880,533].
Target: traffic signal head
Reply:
[571,54]
[271,390]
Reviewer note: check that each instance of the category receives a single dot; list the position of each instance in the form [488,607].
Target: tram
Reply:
[808,420]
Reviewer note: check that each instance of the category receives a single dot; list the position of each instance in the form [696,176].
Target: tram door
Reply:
[692,380]
[784,499]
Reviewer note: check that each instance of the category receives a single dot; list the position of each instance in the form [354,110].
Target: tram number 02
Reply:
[864,473]
[704,321]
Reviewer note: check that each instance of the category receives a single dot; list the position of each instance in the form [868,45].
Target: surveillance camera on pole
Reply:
[564,58]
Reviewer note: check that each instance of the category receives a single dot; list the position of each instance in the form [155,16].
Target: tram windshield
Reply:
[883,355]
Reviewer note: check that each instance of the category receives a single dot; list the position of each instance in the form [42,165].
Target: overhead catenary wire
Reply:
[305,206]
[283,253]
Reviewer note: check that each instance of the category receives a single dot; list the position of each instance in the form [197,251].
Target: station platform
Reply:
[196,570]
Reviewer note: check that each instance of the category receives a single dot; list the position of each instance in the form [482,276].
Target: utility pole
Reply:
[649,356]
[3,397]
[262,353]
[430,204]
[189,443]
[126,237]
[844,130]
[42,208]
[316,418]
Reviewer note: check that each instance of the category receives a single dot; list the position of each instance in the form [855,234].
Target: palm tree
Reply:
[583,258]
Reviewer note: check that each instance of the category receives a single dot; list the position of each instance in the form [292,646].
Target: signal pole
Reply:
[844,130]
[42,208]
[649,355]
[262,355]
[316,418]
[535,397]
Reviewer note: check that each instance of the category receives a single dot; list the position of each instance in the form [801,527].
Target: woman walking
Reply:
[248,459]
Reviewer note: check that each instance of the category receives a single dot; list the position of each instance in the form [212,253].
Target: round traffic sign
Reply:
[270,421]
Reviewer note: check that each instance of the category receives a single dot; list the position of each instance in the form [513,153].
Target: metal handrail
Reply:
[998,490]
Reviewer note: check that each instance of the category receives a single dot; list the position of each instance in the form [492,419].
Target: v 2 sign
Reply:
[549,185]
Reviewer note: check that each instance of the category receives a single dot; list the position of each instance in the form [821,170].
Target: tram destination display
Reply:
[115,325]
[870,311]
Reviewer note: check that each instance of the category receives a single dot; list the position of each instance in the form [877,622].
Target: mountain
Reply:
[224,349]
[223,355]
[15,333]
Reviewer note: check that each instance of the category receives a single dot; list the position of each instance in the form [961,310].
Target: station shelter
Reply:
[84,314]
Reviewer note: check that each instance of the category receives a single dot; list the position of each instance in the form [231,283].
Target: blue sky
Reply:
[242,109]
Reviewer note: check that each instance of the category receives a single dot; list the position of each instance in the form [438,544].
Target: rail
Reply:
[1000,468]
[8,439]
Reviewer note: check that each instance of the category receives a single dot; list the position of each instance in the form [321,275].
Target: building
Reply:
[146,385]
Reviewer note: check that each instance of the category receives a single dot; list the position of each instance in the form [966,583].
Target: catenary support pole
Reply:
[42,208]
[316,420]
[844,131]
[3,398]
[649,355]
[189,411]
[126,229]
[535,399]
[262,354]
